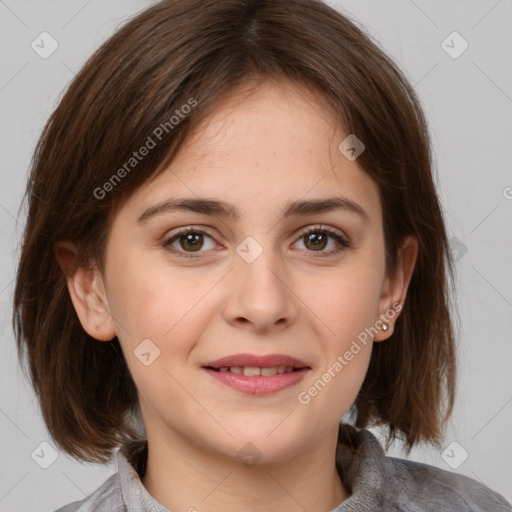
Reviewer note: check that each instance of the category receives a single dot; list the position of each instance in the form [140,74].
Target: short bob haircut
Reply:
[172,54]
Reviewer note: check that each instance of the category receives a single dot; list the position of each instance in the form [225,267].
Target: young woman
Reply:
[234,236]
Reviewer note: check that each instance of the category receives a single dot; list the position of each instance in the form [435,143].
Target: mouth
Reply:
[255,371]
[283,363]
[257,375]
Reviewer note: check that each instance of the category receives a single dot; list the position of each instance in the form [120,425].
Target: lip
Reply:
[258,385]
[266,361]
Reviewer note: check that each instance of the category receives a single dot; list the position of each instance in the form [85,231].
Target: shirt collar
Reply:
[362,465]
[131,458]
[360,460]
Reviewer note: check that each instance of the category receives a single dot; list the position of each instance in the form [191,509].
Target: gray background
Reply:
[468,103]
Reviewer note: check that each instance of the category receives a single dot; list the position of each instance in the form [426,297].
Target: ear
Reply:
[87,292]
[394,288]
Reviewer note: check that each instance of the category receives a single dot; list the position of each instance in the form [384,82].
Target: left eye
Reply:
[315,239]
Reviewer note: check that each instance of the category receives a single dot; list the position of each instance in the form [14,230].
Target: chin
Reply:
[262,445]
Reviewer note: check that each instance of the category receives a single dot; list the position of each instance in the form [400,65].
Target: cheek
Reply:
[150,299]
[345,376]
[159,304]
[347,302]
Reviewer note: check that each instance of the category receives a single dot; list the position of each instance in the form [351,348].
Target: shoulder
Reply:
[106,497]
[391,484]
[423,488]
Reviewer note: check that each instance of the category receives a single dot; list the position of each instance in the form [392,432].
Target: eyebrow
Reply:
[214,207]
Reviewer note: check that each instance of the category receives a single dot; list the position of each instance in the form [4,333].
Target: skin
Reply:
[256,151]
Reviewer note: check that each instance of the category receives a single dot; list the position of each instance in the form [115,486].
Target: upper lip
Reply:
[265,361]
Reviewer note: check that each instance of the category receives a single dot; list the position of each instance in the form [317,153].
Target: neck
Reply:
[184,476]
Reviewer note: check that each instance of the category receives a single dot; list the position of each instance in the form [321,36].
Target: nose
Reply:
[259,295]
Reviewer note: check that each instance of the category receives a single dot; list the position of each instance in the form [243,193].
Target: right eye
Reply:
[190,240]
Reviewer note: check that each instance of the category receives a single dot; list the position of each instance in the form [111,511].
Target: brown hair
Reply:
[171,54]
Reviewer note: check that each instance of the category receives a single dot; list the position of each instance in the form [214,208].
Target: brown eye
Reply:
[189,241]
[192,241]
[315,241]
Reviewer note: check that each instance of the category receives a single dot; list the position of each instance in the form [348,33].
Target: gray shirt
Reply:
[376,482]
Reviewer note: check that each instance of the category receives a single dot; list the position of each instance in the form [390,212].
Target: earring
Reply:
[385,327]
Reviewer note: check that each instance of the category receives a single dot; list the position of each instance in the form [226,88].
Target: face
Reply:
[277,279]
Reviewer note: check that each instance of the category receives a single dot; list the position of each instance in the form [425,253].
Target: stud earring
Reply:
[385,327]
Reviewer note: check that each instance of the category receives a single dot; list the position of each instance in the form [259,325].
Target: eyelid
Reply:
[344,242]
[192,228]
[322,227]
[168,239]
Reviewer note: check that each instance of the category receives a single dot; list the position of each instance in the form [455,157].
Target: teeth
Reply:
[253,371]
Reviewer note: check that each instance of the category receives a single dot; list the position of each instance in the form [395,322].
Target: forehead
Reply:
[261,148]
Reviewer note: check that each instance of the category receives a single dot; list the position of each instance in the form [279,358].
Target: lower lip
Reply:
[259,385]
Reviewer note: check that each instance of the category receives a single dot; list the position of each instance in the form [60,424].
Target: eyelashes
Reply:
[192,235]
[326,233]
